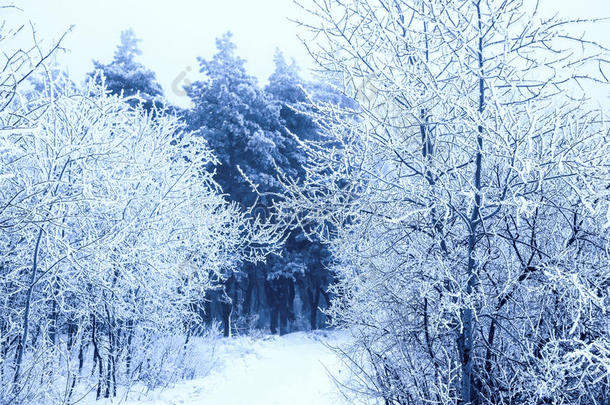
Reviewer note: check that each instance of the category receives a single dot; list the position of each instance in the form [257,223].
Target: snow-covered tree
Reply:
[125,75]
[465,201]
[239,122]
[112,227]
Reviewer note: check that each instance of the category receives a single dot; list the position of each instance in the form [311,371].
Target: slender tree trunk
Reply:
[97,358]
[466,338]
[286,302]
[208,317]
[327,299]
[227,307]
[54,316]
[273,319]
[72,331]
[283,320]
[315,300]
[129,347]
[249,290]
[26,314]
[272,296]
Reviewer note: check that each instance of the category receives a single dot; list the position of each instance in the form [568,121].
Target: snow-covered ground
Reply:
[294,369]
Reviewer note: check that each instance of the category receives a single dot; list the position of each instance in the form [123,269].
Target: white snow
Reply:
[296,369]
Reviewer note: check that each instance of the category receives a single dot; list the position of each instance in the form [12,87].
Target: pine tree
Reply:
[254,132]
[239,121]
[127,76]
[242,125]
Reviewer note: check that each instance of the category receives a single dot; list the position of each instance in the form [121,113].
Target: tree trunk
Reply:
[465,341]
[273,319]
[26,315]
[54,316]
[286,303]
[227,306]
[315,300]
[326,296]
[129,347]
[97,359]
[249,290]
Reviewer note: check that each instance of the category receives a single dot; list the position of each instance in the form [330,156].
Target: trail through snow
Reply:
[289,370]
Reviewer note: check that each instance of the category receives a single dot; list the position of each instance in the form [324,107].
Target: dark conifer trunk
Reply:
[314,295]
[227,305]
[251,282]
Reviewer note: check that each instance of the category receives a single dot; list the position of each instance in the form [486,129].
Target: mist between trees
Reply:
[441,191]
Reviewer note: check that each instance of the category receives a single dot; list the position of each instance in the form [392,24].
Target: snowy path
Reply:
[287,370]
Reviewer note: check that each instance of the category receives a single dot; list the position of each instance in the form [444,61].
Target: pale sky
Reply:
[175,32]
